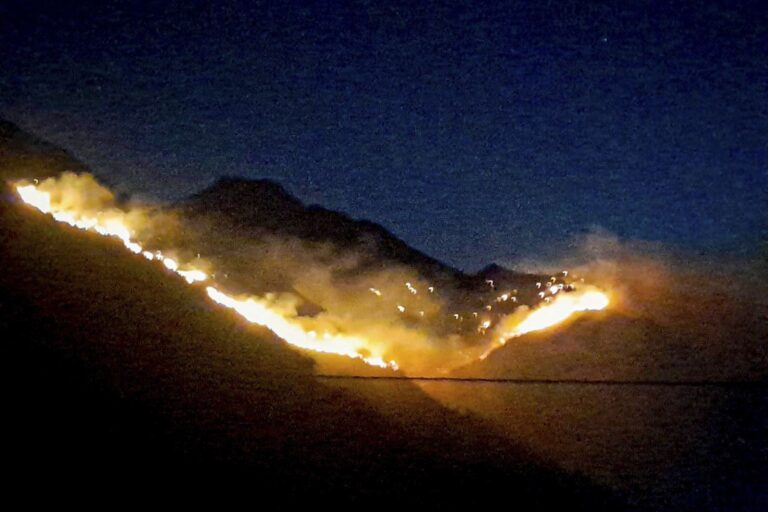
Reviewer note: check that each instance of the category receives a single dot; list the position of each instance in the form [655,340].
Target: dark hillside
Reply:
[116,372]
[22,155]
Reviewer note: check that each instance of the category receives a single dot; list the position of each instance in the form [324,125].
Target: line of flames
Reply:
[259,311]
[253,309]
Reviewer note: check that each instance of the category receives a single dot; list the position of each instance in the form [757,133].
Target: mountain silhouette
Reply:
[265,207]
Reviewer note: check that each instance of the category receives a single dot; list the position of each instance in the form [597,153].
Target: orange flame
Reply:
[252,309]
[258,312]
[552,313]
[557,311]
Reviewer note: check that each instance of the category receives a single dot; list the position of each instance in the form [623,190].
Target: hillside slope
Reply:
[23,155]
[117,374]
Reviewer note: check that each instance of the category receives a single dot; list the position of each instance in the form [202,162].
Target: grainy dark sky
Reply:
[477,133]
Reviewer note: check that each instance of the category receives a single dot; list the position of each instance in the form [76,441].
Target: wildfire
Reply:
[253,309]
[557,311]
[104,223]
[85,209]
[259,312]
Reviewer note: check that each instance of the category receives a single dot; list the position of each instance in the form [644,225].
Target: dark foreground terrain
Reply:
[117,375]
[678,448]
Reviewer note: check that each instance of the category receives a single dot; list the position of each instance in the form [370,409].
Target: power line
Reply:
[555,382]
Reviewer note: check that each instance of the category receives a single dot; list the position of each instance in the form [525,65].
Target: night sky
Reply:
[476,134]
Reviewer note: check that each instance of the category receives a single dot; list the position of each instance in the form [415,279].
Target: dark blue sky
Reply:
[474,133]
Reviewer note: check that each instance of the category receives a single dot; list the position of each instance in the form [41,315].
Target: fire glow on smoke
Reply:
[59,198]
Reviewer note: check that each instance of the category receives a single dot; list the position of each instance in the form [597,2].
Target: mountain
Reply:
[259,209]
[23,155]
[496,272]
[262,206]
[265,207]
[117,376]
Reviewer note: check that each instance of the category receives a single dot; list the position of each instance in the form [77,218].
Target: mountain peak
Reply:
[492,269]
[238,189]
[24,155]
[263,205]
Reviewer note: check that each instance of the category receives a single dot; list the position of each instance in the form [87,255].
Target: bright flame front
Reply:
[258,312]
[253,309]
[558,311]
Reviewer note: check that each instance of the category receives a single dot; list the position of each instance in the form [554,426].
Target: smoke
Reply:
[325,288]
[383,312]
[673,315]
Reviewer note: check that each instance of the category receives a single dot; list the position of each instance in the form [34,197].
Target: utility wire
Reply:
[556,382]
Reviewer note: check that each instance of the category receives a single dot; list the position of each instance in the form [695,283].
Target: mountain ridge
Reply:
[265,206]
